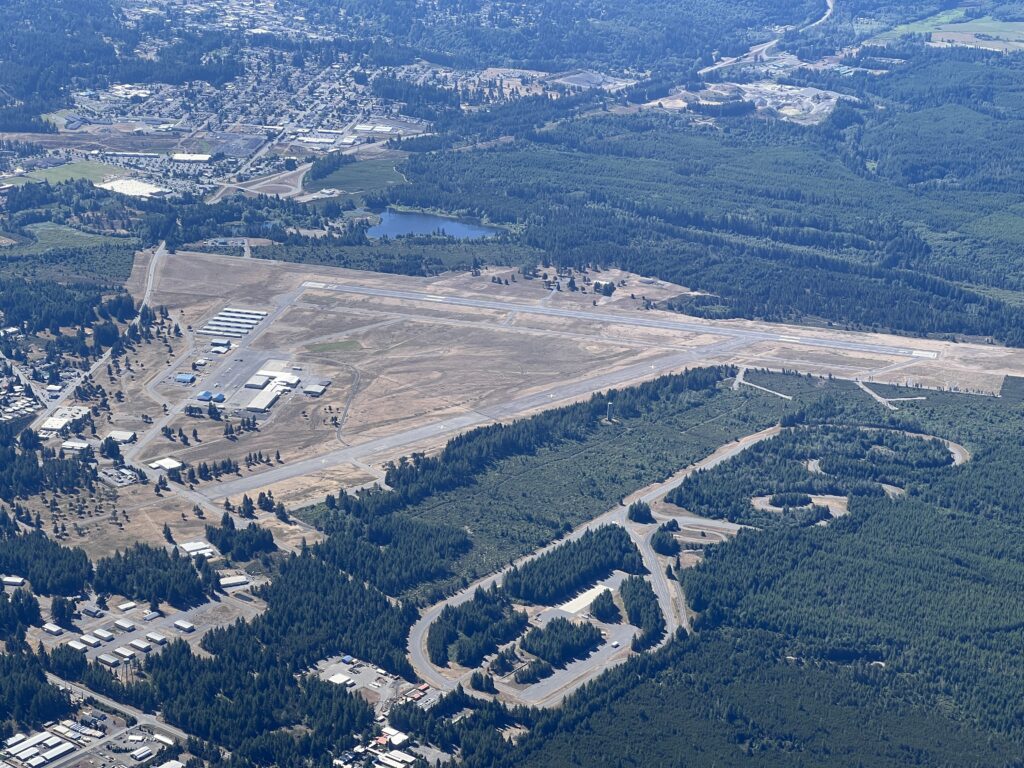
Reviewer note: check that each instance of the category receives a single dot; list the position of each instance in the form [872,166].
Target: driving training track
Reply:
[670,598]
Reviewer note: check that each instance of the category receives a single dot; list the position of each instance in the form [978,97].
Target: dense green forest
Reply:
[17,612]
[604,608]
[151,573]
[847,461]
[558,575]
[883,638]
[560,641]
[859,221]
[643,611]
[25,696]
[469,631]
[553,36]
[240,543]
[51,568]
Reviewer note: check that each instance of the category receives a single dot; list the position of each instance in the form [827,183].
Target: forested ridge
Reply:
[44,49]
[553,36]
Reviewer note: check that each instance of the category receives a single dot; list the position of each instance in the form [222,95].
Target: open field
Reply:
[85,169]
[991,34]
[413,361]
[48,235]
[359,178]
[950,27]
[921,26]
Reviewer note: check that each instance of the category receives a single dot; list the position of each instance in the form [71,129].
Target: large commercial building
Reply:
[264,400]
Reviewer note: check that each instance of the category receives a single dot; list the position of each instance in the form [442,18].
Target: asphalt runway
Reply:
[791,336]
[448,427]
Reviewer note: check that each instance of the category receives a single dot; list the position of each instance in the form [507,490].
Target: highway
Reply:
[788,335]
[670,598]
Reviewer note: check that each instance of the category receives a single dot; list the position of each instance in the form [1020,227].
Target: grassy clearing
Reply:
[85,169]
[986,32]
[48,235]
[360,178]
[921,26]
[16,181]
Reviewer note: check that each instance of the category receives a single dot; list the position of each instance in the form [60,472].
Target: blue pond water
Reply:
[397,223]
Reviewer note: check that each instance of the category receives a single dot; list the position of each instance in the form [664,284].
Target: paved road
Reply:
[144,719]
[49,406]
[763,48]
[668,593]
[217,371]
[791,335]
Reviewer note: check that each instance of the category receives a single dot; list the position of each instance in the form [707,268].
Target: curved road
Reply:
[669,595]
[763,48]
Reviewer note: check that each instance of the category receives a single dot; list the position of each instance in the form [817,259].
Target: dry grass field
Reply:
[412,361]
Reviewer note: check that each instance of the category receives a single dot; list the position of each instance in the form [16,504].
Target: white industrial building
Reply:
[166,464]
[264,400]
[190,157]
[197,548]
[314,390]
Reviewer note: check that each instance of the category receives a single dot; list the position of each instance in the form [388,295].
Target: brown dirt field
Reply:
[312,488]
[396,365]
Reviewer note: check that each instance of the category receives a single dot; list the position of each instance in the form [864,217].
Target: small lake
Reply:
[398,223]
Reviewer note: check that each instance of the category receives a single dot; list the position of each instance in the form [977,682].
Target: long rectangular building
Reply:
[229,323]
[264,400]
